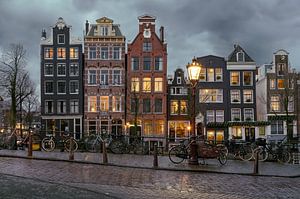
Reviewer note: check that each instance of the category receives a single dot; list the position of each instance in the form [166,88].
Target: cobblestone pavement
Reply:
[119,182]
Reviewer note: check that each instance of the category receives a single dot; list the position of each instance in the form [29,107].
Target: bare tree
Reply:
[12,74]
[31,105]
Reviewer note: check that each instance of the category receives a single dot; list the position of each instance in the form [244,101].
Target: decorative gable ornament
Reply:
[60,23]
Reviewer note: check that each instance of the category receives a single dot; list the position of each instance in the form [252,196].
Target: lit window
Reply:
[158,105]
[178,129]
[104,103]
[159,127]
[210,75]
[280,83]
[262,131]
[92,103]
[211,135]
[235,96]
[236,132]
[134,63]
[135,84]
[61,53]
[248,114]
[211,95]
[235,114]
[202,76]
[174,107]
[148,127]
[272,84]
[147,84]
[219,74]
[248,78]
[248,96]
[183,107]
[275,104]
[158,84]
[48,53]
[219,135]
[234,78]
[73,53]
[116,103]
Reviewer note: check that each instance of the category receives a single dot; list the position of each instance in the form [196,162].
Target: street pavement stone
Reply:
[121,182]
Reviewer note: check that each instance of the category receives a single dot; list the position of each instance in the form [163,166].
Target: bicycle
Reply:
[240,150]
[94,142]
[49,143]
[264,151]
[122,145]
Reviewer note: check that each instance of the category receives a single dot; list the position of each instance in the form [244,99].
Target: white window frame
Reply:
[64,106]
[89,52]
[219,114]
[208,76]
[244,98]
[61,58]
[46,109]
[47,51]
[274,83]
[104,103]
[76,52]
[116,99]
[239,82]
[178,80]
[65,71]
[45,66]
[46,88]
[231,97]
[65,88]
[105,77]
[74,106]
[210,116]
[104,51]
[243,56]
[89,103]
[252,116]
[77,66]
[93,75]
[70,90]
[58,35]
[251,81]
[240,116]
[219,75]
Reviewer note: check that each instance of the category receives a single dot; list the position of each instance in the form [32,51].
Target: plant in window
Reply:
[248,100]
[235,100]
[219,77]
[236,119]
[248,119]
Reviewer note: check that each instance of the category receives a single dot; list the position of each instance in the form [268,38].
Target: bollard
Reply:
[104,157]
[155,159]
[30,145]
[255,171]
[71,152]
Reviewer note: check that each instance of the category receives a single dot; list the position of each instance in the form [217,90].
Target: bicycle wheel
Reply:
[223,149]
[222,158]
[284,156]
[140,148]
[262,154]
[93,145]
[48,144]
[246,153]
[177,154]
[68,145]
[117,147]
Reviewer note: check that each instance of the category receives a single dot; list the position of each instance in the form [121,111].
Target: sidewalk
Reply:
[146,161]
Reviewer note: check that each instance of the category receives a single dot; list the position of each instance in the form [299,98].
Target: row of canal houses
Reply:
[96,85]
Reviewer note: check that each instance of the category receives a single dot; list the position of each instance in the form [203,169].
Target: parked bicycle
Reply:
[14,141]
[240,150]
[178,153]
[93,142]
[124,144]
[49,143]
[276,151]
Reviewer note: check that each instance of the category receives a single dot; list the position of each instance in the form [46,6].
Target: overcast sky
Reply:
[192,27]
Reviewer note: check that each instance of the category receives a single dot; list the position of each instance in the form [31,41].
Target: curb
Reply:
[150,168]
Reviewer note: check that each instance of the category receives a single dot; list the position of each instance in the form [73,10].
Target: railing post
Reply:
[104,151]
[30,145]
[256,160]
[71,152]
[155,159]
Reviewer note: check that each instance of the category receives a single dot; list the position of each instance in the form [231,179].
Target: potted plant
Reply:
[248,119]
[235,100]
[236,119]
[248,100]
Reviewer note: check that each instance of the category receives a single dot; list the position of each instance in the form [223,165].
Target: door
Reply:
[250,134]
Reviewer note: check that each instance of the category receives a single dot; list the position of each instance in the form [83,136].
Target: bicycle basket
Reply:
[260,142]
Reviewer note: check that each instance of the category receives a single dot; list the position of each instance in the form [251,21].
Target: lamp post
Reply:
[193,69]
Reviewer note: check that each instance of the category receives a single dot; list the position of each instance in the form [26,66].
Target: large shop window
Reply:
[178,129]
[236,132]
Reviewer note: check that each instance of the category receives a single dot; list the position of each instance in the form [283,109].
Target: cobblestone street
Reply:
[55,179]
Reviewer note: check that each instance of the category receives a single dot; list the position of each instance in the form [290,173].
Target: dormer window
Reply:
[104,30]
[178,80]
[60,39]
[240,57]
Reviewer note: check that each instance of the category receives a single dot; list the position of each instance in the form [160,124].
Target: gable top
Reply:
[281,52]
[105,20]
[233,56]
[60,24]
[147,18]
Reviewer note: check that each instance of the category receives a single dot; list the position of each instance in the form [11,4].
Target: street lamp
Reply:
[193,69]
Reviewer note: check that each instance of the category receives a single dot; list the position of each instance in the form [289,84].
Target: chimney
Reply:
[162,34]
[44,33]
[87,26]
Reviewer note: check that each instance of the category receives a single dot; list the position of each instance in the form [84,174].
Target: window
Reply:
[276,127]
[92,77]
[290,104]
[174,107]
[48,53]
[236,132]
[202,76]
[116,53]
[183,107]
[248,78]
[92,53]
[240,57]
[261,131]
[48,70]
[116,104]
[61,69]
[147,63]
[74,69]
[74,53]
[61,53]
[234,78]
[179,80]
[61,87]
[248,114]
[74,87]
[210,75]
[134,106]
[158,64]
[211,95]
[104,77]
[210,116]
[210,135]
[158,84]
[60,39]
[146,105]
[219,74]
[272,84]
[104,126]
[235,114]
[280,83]
[134,63]
[104,103]
[158,127]
[148,127]
[104,30]
[248,96]
[116,77]
[49,87]
[219,115]
[179,129]
[219,135]
[104,52]
[135,84]
[61,106]
[291,83]
[147,46]
[92,127]
[275,106]
[74,106]
[280,69]
[48,106]
[235,96]
[147,84]
[158,105]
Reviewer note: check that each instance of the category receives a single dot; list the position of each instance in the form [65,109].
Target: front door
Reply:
[250,134]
